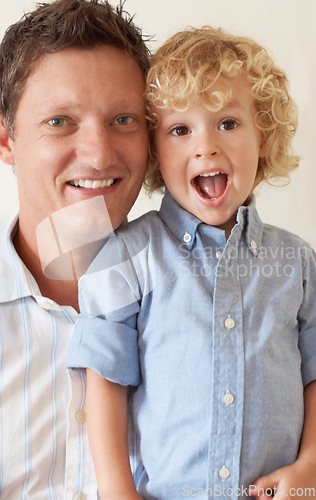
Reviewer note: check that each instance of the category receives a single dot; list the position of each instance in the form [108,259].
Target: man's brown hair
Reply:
[55,26]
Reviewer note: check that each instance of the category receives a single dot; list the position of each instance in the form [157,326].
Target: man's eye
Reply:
[228,124]
[56,122]
[124,120]
[181,130]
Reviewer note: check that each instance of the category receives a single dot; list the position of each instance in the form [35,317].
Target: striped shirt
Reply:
[44,452]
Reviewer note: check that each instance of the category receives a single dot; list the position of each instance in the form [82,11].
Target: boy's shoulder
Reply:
[279,234]
[127,241]
[145,228]
[284,242]
[144,223]
[140,233]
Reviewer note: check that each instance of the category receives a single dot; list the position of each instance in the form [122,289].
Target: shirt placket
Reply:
[228,376]
[80,476]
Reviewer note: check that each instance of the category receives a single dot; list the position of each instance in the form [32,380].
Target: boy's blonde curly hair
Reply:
[183,71]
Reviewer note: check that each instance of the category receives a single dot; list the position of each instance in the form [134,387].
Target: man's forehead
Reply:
[64,78]
[109,52]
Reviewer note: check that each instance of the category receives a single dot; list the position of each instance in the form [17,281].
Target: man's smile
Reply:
[92,184]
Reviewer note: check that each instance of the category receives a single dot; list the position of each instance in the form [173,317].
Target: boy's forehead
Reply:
[220,92]
[230,86]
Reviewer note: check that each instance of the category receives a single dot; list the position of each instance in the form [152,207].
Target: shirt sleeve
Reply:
[105,335]
[307,317]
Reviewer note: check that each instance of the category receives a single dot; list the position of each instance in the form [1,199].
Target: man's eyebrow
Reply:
[115,107]
[127,105]
[50,107]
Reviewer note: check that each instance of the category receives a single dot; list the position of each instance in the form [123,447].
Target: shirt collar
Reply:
[185,225]
[182,224]
[248,218]
[16,280]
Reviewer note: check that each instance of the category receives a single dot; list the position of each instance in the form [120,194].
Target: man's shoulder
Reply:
[6,232]
[13,283]
[9,224]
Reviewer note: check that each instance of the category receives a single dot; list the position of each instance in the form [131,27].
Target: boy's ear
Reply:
[6,152]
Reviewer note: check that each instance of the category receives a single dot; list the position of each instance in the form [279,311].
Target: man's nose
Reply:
[206,144]
[96,147]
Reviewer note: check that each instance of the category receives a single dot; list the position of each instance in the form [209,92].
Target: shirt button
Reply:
[229,323]
[187,238]
[224,472]
[218,254]
[228,398]
[254,245]
[81,417]
[79,496]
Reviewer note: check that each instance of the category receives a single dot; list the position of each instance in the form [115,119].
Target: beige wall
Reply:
[286,28]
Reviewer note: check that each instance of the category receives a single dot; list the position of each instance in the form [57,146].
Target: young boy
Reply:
[214,330]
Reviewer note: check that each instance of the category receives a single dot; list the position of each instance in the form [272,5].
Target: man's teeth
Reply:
[88,184]
[210,174]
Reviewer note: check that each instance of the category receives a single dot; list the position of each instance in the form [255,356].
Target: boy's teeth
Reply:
[210,174]
[88,184]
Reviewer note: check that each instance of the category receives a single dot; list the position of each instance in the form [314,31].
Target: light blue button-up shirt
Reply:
[217,340]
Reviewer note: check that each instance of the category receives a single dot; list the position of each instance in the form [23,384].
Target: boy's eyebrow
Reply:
[233,103]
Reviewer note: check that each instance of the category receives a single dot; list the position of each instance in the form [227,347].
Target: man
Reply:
[73,125]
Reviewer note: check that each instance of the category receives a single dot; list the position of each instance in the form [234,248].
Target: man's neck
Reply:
[61,291]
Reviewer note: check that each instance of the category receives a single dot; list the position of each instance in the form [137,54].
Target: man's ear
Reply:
[6,152]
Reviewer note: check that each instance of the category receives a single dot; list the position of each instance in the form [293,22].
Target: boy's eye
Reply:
[228,124]
[56,122]
[180,130]
[124,120]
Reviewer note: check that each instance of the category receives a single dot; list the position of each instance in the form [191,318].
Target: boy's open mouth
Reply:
[210,185]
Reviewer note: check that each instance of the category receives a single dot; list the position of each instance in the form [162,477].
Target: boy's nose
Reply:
[97,148]
[206,145]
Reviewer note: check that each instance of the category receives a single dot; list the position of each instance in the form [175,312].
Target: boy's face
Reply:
[209,159]
[81,117]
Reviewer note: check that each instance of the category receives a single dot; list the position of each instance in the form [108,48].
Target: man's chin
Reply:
[69,239]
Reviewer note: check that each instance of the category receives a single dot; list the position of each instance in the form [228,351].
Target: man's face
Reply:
[80,132]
